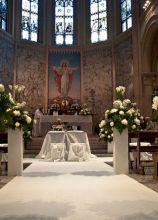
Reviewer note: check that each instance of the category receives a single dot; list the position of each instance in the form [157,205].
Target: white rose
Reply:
[137,121]
[133,126]
[102,123]
[121,112]
[129,112]
[126,102]
[112,124]
[25,112]
[11,98]
[18,105]
[102,135]
[124,122]
[113,110]
[154,106]
[107,111]
[117,103]
[1,88]
[109,136]
[155,100]
[28,119]
[16,113]
[17,124]
[120,89]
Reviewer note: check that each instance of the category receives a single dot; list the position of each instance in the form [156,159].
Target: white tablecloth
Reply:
[65,145]
[51,137]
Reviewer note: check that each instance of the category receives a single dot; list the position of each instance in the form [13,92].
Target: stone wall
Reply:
[97,81]
[124,66]
[31,65]
[6,61]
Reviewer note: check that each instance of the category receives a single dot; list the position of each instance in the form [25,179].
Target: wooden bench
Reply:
[155,159]
[3,142]
[143,136]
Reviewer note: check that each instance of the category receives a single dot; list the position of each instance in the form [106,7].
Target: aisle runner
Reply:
[76,191]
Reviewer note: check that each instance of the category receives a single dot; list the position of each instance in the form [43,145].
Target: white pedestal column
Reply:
[15,152]
[120,156]
[110,147]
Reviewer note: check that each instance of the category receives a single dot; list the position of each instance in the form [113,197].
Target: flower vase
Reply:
[110,147]
[121,165]
[15,152]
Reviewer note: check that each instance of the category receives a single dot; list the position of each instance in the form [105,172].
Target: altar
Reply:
[65,146]
[84,122]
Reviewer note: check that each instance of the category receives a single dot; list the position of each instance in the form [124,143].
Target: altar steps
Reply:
[32,148]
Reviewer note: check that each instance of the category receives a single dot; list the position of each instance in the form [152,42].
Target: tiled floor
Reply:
[146,180]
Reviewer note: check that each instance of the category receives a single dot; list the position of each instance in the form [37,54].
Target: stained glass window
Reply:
[64,22]
[29,20]
[98,13]
[126,15]
[3,14]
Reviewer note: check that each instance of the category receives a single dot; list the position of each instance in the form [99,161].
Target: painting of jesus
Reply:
[64,76]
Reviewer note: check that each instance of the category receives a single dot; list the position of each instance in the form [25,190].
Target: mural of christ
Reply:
[63,76]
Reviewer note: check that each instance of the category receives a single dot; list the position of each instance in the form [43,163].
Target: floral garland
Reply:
[123,115]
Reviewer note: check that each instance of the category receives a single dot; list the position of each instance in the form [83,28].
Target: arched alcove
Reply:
[149,63]
[148,37]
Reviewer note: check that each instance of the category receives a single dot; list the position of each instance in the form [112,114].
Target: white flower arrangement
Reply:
[2,88]
[85,110]
[155,109]
[120,89]
[122,115]
[12,113]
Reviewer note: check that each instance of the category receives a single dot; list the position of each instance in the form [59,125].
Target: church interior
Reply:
[62,63]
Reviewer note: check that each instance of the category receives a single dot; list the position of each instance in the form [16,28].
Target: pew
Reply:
[3,142]
[145,143]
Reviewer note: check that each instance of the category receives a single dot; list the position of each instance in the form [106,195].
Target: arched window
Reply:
[126,15]
[29,20]
[3,14]
[64,22]
[98,13]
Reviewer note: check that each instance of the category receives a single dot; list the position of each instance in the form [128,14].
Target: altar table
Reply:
[65,145]
[85,122]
